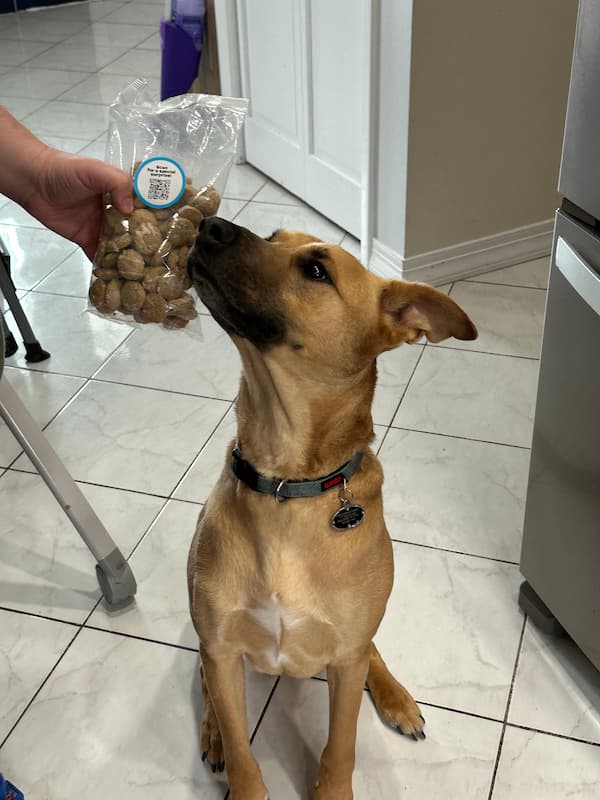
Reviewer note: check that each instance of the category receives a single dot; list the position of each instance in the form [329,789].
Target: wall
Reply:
[489,82]
[393,112]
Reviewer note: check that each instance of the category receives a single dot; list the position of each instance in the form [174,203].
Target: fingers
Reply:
[122,193]
[101,178]
[120,187]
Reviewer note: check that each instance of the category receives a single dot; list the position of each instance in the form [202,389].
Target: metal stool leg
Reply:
[33,349]
[114,573]
[10,343]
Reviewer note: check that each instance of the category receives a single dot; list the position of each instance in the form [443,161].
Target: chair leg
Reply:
[10,343]
[114,573]
[34,352]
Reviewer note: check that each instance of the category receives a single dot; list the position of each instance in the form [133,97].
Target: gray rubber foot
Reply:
[116,580]
[539,613]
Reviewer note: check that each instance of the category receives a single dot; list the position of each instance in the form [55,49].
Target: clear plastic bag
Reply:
[179,152]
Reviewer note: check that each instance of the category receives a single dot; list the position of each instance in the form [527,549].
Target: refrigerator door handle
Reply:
[578,272]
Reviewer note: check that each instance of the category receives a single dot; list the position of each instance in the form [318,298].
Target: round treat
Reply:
[101,251]
[97,292]
[132,296]
[182,231]
[173,260]
[112,298]
[173,323]
[131,265]
[146,238]
[122,241]
[114,221]
[139,216]
[156,260]
[170,286]
[182,257]
[106,273]
[208,201]
[109,260]
[182,307]
[194,215]
[164,226]
[153,310]
[151,276]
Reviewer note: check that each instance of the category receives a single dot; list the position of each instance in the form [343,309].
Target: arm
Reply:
[64,191]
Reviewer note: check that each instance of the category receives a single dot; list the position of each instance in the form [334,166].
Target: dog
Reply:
[291,564]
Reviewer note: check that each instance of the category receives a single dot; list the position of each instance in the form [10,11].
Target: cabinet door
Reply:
[303,69]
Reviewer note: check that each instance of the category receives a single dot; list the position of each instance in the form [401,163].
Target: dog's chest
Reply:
[279,637]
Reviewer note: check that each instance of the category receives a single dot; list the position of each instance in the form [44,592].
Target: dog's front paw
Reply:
[398,709]
[325,790]
[211,743]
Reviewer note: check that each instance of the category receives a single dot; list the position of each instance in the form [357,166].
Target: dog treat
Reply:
[133,296]
[178,154]
[131,265]
[153,310]
[141,263]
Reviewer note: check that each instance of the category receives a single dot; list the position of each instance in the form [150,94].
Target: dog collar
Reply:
[283,489]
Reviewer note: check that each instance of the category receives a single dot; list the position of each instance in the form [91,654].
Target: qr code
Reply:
[158,189]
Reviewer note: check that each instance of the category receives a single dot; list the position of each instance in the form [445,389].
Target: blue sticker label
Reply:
[159,182]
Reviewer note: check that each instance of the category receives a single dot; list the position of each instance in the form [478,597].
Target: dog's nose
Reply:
[215,229]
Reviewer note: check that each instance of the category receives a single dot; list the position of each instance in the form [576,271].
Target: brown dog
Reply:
[287,583]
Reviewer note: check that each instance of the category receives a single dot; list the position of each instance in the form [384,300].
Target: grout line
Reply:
[510,285]
[86,382]
[137,637]
[552,733]
[260,719]
[113,382]
[199,453]
[403,395]
[36,615]
[507,709]
[105,486]
[483,352]
[264,711]
[456,552]
[456,436]
[39,689]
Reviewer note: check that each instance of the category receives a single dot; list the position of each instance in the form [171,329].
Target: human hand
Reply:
[68,195]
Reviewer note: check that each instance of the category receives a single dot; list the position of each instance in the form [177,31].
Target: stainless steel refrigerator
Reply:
[561,540]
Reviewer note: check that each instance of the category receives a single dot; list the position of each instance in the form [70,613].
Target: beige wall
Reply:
[489,82]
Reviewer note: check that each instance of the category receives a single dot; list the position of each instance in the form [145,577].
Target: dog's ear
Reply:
[410,309]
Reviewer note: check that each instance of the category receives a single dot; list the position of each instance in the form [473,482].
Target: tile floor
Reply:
[96,704]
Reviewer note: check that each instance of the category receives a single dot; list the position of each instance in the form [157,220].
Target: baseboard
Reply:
[385,262]
[466,259]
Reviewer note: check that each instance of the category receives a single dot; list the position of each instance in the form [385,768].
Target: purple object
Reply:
[180,60]
[189,16]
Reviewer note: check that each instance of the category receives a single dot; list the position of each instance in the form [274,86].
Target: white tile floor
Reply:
[94,704]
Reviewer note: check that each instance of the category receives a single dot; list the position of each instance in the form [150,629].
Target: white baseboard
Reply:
[467,258]
[385,262]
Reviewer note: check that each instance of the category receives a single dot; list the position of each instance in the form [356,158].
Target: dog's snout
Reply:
[217,230]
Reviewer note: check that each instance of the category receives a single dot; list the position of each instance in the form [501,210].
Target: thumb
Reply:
[120,187]
[104,178]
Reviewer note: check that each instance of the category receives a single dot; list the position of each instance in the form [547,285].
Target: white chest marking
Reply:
[274,618]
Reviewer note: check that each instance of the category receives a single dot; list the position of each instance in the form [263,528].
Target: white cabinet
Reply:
[304,67]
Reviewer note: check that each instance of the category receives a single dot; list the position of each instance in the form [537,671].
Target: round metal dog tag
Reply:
[348,516]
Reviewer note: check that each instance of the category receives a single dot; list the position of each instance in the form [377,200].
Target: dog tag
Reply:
[348,516]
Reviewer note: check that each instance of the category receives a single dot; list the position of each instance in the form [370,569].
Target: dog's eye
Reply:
[315,271]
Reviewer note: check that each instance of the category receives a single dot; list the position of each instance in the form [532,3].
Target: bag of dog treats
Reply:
[179,152]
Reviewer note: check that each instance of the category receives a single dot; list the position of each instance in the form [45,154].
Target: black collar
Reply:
[283,489]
